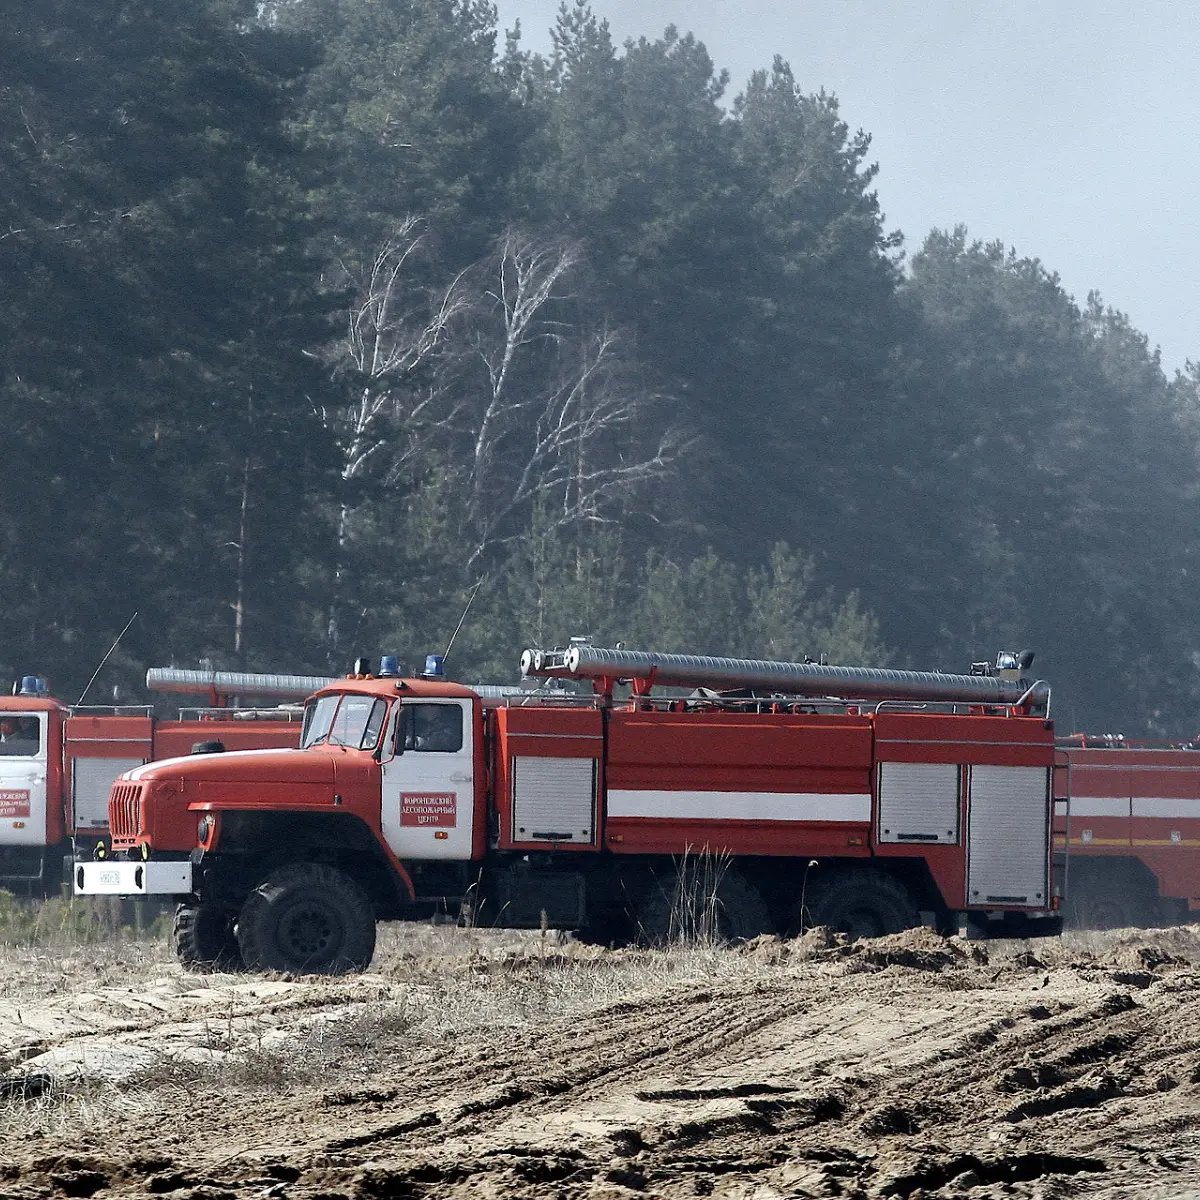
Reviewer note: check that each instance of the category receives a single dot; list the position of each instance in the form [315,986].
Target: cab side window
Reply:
[430,727]
[20,736]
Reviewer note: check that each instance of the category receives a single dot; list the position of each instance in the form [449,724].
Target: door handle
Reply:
[459,777]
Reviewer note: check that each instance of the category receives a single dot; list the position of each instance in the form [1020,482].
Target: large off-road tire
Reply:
[859,902]
[689,907]
[307,918]
[205,939]
[1109,893]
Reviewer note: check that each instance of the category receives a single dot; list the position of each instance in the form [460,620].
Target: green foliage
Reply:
[409,114]
[1055,480]
[158,302]
[555,587]
[314,315]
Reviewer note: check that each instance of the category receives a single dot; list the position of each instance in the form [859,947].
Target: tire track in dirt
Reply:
[171,1019]
[951,1090]
[774,1091]
[854,1074]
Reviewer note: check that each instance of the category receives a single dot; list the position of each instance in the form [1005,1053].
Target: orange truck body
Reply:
[571,810]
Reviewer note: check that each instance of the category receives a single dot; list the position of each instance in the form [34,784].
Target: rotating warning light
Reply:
[389,666]
[434,666]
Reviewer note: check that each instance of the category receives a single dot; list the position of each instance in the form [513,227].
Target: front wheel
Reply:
[307,918]
[204,938]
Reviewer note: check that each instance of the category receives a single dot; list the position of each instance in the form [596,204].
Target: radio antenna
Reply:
[106,658]
[470,601]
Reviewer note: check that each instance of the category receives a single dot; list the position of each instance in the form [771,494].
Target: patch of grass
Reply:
[77,921]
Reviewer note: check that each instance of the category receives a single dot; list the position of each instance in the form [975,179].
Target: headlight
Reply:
[204,829]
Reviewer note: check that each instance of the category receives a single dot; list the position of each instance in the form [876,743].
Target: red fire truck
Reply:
[867,799]
[58,763]
[1127,830]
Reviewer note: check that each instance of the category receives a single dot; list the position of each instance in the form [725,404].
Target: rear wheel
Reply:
[307,918]
[701,906]
[1111,893]
[205,939]
[860,903]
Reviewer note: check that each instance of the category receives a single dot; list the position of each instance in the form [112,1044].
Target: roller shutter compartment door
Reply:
[91,782]
[554,799]
[1008,832]
[918,802]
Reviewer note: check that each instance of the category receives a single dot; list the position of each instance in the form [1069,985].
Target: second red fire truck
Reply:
[58,762]
[866,799]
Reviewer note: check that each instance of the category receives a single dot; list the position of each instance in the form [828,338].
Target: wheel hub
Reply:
[309,931]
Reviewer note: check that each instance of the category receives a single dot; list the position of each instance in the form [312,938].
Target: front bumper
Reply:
[112,878]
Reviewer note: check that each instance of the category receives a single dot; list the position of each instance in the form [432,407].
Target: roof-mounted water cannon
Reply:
[1012,666]
[645,669]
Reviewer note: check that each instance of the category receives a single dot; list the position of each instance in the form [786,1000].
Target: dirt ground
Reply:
[468,1065]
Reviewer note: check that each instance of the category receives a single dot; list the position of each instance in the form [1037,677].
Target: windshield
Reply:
[353,721]
[317,719]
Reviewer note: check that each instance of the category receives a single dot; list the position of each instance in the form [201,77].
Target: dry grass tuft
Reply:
[62,922]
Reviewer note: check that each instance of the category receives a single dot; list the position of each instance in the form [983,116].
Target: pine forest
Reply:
[320,317]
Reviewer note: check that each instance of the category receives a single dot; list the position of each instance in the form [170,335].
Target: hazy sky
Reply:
[1066,128]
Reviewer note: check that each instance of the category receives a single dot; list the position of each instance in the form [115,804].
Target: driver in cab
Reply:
[20,735]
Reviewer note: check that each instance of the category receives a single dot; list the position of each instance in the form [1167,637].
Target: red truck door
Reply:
[1008,835]
[971,796]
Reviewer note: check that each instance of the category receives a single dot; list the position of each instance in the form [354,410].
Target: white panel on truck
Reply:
[1008,830]
[91,782]
[162,878]
[918,802]
[554,799]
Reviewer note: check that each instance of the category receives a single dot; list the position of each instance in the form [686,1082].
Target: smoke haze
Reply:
[1063,130]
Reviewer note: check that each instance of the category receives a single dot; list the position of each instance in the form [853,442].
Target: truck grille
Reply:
[123,810]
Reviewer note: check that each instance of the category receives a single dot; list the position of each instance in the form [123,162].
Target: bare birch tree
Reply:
[502,378]
[395,329]
[560,415]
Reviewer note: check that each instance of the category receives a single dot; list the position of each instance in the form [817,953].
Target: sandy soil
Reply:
[473,1066]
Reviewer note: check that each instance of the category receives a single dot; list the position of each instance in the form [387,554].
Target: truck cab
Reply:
[31,820]
[381,797]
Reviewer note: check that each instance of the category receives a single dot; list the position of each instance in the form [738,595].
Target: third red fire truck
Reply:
[866,799]
[1128,830]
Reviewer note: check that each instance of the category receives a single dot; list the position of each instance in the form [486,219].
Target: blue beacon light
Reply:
[434,668]
[389,666]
